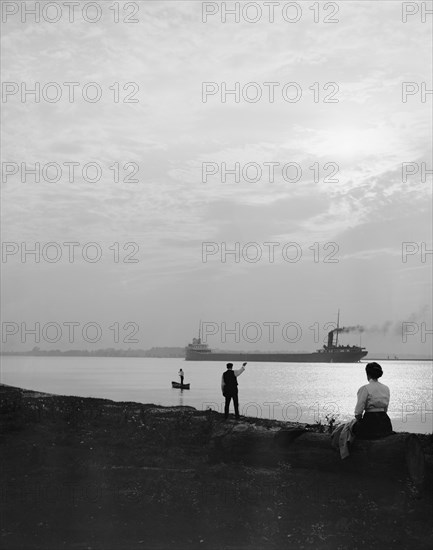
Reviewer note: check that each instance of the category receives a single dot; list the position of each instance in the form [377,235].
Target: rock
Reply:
[398,456]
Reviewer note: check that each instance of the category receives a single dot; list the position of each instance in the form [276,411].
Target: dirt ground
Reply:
[93,474]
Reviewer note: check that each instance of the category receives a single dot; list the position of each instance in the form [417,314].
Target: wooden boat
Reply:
[180,386]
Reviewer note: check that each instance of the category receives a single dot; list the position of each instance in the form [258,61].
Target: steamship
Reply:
[330,353]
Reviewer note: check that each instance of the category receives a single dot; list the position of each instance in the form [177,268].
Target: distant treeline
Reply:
[166,352]
[108,352]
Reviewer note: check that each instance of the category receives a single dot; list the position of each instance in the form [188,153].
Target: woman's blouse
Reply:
[373,397]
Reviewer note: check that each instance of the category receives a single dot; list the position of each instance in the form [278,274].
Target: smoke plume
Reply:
[387,326]
[378,329]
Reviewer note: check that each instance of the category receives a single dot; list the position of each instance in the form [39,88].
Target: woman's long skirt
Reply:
[373,425]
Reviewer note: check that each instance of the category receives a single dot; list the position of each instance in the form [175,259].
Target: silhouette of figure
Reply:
[229,387]
[181,374]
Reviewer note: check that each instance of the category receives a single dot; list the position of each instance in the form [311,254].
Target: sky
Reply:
[350,229]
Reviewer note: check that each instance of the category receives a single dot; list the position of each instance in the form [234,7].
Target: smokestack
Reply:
[330,338]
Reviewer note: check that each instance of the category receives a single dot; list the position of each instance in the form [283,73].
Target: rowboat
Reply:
[180,386]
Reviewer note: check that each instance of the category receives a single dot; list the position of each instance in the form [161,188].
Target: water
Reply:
[302,392]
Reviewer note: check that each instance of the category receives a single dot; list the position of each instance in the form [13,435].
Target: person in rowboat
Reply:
[181,374]
[229,387]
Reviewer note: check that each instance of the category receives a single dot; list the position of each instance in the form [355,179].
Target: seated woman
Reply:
[373,401]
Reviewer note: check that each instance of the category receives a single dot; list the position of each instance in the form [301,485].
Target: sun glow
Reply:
[351,143]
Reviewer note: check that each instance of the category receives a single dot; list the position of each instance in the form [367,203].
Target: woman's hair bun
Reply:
[374,370]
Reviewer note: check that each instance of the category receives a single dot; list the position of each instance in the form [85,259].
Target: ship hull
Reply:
[317,357]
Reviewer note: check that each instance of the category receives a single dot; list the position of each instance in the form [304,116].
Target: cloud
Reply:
[171,132]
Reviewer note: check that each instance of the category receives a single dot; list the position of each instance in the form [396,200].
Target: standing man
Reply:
[229,386]
[181,374]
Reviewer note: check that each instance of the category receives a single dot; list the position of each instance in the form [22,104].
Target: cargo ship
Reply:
[330,353]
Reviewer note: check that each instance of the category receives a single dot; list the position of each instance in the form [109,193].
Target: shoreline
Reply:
[267,422]
[316,422]
[99,474]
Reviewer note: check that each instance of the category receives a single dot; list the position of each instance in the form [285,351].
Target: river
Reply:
[301,392]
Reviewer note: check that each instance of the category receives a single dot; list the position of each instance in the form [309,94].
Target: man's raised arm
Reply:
[240,371]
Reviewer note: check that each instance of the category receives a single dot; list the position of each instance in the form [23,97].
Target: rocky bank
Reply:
[81,473]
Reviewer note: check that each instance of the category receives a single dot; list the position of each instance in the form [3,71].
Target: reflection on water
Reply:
[302,392]
[181,401]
